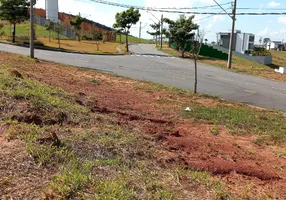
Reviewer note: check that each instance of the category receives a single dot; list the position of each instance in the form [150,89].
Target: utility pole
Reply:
[140,29]
[161,46]
[31,29]
[231,36]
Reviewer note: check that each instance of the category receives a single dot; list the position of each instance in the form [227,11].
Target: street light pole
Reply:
[31,29]
[161,46]
[231,36]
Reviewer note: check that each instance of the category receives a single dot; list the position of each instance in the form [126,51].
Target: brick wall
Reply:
[86,26]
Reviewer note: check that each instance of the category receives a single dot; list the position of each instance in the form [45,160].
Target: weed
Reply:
[214,130]
[74,176]
[95,81]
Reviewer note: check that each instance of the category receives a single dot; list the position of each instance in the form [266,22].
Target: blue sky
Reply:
[262,26]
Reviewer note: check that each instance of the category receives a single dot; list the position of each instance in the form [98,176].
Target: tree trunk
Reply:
[196,76]
[78,36]
[50,35]
[120,38]
[183,52]
[14,33]
[59,41]
[127,47]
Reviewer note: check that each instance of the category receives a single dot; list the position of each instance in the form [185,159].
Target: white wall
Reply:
[239,43]
[52,10]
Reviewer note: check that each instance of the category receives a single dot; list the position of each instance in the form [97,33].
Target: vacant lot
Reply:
[74,133]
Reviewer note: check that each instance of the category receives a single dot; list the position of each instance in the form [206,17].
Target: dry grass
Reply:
[82,46]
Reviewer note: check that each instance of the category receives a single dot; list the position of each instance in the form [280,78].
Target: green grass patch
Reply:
[23,30]
[242,120]
[132,39]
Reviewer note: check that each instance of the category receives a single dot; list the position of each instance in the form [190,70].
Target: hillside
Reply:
[133,39]
[24,30]
[73,133]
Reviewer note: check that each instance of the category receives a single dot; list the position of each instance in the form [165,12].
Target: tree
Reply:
[196,45]
[125,20]
[156,28]
[49,27]
[58,29]
[266,40]
[76,23]
[180,31]
[119,32]
[97,35]
[206,41]
[14,11]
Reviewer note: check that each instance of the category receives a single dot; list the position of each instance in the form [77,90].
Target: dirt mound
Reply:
[218,154]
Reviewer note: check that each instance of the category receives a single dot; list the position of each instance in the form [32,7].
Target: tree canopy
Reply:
[124,21]
[156,32]
[76,23]
[181,30]
[14,11]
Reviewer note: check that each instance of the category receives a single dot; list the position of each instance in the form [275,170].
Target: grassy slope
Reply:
[23,30]
[279,58]
[133,39]
[98,157]
[95,157]
[84,46]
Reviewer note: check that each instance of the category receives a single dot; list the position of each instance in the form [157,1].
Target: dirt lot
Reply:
[247,168]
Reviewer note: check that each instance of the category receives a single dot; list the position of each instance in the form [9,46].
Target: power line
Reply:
[191,8]
[182,12]
[222,8]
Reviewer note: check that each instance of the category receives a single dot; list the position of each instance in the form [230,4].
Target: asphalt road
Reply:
[149,64]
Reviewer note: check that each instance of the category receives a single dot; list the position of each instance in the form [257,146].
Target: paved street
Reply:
[147,63]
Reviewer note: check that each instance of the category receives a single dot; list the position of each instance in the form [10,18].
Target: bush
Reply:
[258,51]
[86,38]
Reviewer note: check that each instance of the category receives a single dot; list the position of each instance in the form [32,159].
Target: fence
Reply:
[42,21]
[265,60]
[205,51]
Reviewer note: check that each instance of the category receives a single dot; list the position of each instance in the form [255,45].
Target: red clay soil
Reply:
[224,155]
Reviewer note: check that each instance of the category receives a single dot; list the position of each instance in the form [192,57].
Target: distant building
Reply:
[241,43]
[273,45]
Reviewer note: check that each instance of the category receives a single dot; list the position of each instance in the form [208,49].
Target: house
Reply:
[241,43]
[273,45]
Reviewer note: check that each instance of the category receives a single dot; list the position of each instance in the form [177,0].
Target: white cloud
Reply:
[264,32]
[273,4]
[282,20]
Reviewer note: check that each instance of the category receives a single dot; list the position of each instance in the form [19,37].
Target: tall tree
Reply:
[181,30]
[156,32]
[76,23]
[14,11]
[125,20]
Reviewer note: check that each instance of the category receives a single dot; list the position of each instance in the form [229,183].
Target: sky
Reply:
[273,27]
